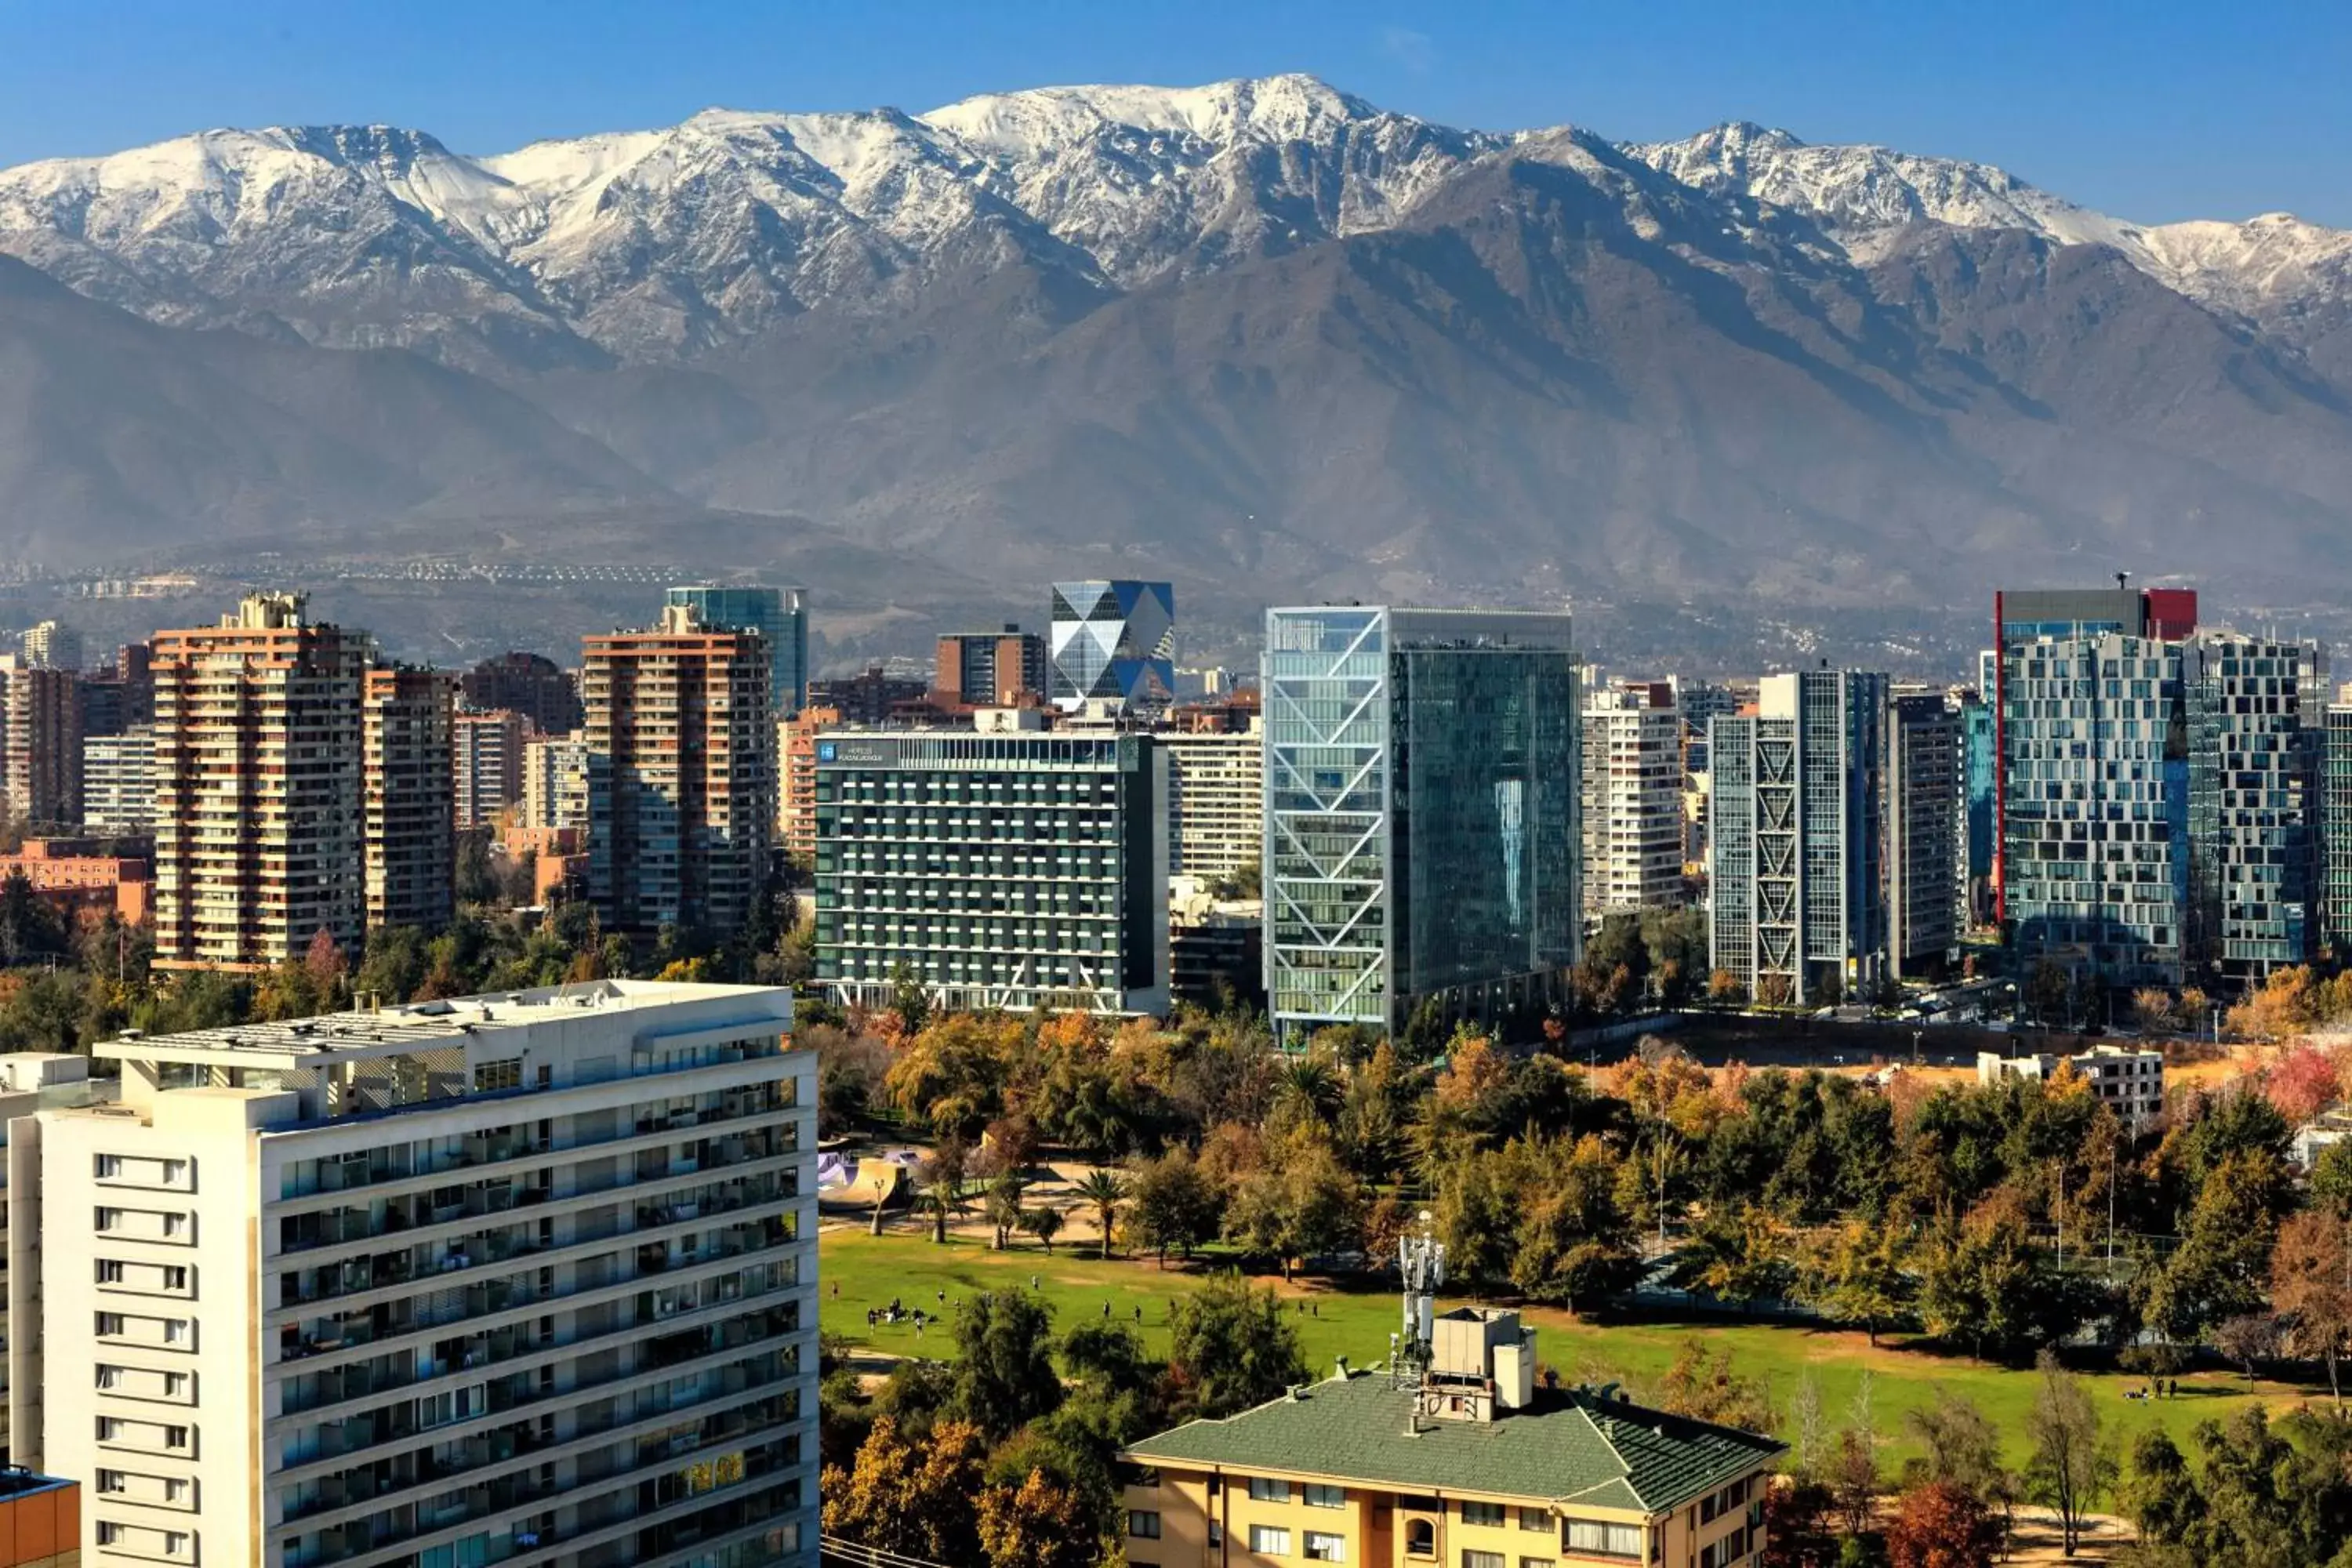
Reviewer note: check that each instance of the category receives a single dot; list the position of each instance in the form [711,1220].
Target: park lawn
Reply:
[856,1272]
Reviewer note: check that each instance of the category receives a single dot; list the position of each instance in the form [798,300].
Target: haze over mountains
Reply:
[1259,336]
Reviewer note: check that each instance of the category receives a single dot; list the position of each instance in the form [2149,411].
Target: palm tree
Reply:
[943,1200]
[1105,1192]
[1309,1084]
[1004,1208]
[1044,1224]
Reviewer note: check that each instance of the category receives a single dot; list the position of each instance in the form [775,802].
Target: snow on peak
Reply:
[1039,120]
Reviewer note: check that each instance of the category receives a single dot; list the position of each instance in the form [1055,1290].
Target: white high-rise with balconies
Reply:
[525,1279]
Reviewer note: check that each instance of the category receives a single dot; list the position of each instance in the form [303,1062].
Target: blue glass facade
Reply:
[779,615]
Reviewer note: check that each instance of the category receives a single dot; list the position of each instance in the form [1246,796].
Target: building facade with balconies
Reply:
[526,1279]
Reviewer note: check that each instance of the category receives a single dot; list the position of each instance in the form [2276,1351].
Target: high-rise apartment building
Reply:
[1018,870]
[796,779]
[118,781]
[529,684]
[2093,807]
[1114,642]
[779,615]
[1216,784]
[2254,797]
[53,645]
[1797,868]
[1927,833]
[527,1279]
[2336,829]
[257,779]
[874,696]
[409,828]
[990,670]
[486,749]
[555,782]
[1632,799]
[1421,804]
[1699,702]
[40,741]
[681,774]
[122,695]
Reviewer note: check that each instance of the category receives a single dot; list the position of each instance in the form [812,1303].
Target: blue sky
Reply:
[2155,110]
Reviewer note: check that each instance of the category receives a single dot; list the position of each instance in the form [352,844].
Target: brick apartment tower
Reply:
[257,779]
[40,742]
[410,831]
[681,774]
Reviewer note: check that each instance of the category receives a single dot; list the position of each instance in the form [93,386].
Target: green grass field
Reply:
[858,1271]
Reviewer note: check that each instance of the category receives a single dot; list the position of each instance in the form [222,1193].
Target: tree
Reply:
[2246,1339]
[1941,1524]
[2331,1181]
[1045,1222]
[1105,1193]
[2048,993]
[1858,1275]
[1173,1204]
[2155,1011]
[2311,1289]
[2073,1464]
[896,1498]
[1003,1209]
[1574,1240]
[1702,1385]
[1724,990]
[2161,1500]
[1962,1448]
[1005,1375]
[1854,1481]
[1231,1348]
[1039,1525]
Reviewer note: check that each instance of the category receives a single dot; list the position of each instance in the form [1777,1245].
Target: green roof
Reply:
[1569,1445]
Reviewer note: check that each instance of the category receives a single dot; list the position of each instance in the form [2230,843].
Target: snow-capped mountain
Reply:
[2288,276]
[1259,333]
[651,244]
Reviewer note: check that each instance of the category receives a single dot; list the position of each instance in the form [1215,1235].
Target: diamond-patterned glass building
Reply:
[1114,642]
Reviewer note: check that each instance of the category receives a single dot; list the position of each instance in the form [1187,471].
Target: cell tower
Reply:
[1420,1261]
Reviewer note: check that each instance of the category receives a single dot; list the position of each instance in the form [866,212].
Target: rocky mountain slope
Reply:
[1260,336]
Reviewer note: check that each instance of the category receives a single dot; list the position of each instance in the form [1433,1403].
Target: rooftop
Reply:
[370,1032]
[1571,1447]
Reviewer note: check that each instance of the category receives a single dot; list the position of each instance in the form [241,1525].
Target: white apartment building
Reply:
[1632,799]
[1217,817]
[118,781]
[524,1279]
[2131,1083]
[555,782]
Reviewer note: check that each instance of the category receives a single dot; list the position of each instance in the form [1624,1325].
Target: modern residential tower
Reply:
[1633,800]
[779,615]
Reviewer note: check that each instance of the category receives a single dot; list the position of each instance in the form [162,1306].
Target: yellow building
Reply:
[1467,1465]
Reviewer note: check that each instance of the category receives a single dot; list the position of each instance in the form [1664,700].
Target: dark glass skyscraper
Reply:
[1422,841]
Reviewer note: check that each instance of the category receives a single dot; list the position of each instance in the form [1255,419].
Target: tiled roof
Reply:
[1571,1447]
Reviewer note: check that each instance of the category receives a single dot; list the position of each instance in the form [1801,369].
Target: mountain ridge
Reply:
[1262,335]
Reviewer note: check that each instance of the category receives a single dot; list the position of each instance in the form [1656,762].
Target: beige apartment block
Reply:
[257,778]
[40,741]
[487,752]
[681,774]
[525,1279]
[1632,799]
[1216,782]
[409,832]
[555,782]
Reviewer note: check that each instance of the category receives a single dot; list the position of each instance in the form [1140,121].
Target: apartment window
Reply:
[1320,1496]
[1537,1562]
[1324,1547]
[489,1076]
[110,1218]
[1535,1518]
[1420,1538]
[1266,1489]
[1482,1559]
[1142,1525]
[110,1481]
[1592,1538]
[1268,1541]
[1482,1513]
[110,1325]
[109,1167]
[109,1271]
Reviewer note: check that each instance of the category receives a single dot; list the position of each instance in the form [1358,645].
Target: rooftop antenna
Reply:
[2123,582]
[1420,1261]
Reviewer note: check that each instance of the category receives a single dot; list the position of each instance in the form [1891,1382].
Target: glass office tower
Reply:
[1422,841]
[1114,642]
[780,614]
[2335,831]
